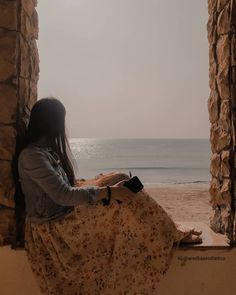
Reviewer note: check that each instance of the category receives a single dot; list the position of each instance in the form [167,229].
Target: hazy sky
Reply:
[127,68]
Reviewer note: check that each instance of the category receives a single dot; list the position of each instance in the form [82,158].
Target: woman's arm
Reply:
[35,163]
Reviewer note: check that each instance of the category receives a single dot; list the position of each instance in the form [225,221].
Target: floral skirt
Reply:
[119,249]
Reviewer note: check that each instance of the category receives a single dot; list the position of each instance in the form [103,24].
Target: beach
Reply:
[174,171]
[184,203]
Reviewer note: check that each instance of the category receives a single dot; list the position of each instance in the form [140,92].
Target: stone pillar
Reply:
[221,105]
[18,91]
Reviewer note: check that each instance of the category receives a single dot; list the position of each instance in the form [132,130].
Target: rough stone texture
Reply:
[225,164]
[224,119]
[8,47]
[215,163]
[7,226]
[8,19]
[8,103]
[7,189]
[7,139]
[19,69]
[223,84]
[222,107]
[213,106]
[223,21]
[220,139]
[223,52]
[212,6]
[233,51]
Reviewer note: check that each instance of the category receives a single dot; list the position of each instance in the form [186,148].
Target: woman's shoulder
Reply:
[31,152]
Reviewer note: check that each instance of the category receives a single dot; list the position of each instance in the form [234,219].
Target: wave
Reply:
[190,182]
[176,183]
[158,168]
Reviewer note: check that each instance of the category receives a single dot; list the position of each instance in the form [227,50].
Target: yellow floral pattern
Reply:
[119,249]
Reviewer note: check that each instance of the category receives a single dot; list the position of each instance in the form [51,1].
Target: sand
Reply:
[184,203]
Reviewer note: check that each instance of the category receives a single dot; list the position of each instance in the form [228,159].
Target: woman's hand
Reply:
[118,191]
[120,183]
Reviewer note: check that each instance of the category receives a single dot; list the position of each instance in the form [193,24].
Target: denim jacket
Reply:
[48,193]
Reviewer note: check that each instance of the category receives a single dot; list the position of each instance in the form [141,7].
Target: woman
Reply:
[76,244]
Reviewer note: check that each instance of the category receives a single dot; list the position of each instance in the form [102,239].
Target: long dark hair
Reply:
[47,120]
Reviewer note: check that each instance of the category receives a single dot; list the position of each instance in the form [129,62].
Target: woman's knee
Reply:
[113,178]
[121,176]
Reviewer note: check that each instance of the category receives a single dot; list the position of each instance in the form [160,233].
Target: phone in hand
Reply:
[134,184]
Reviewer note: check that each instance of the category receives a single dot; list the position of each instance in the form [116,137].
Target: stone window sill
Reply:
[210,239]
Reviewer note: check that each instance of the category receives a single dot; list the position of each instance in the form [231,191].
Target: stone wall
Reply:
[221,104]
[18,91]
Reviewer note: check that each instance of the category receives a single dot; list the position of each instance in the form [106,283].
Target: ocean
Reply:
[161,162]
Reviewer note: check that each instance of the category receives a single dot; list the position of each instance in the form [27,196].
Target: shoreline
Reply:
[193,185]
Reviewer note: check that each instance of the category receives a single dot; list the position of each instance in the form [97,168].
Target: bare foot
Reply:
[192,239]
[196,232]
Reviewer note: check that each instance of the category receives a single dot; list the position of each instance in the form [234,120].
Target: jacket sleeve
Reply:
[37,166]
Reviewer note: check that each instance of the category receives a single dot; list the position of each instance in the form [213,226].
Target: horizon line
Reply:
[139,138]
